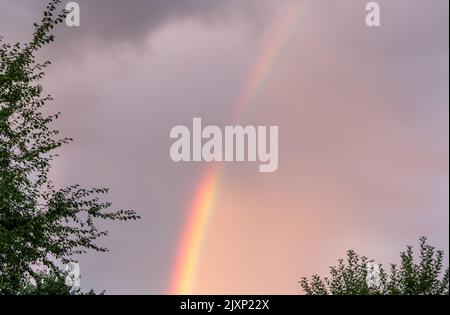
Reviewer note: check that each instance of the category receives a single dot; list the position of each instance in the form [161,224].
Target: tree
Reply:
[41,227]
[360,276]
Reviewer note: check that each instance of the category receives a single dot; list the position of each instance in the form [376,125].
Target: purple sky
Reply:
[363,117]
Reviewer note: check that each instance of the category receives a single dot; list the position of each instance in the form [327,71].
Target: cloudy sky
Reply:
[363,141]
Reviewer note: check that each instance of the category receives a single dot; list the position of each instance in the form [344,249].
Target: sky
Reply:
[363,134]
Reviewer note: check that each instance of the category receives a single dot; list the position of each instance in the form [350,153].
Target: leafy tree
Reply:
[51,284]
[41,227]
[360,276]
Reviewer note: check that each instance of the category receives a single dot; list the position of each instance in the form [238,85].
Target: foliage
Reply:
[360,276]
[41,227]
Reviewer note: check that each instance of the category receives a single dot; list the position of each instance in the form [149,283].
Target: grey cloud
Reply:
[128,20]
[104,21]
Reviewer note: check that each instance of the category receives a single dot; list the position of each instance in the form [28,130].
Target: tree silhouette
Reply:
[41,227]
[360,276]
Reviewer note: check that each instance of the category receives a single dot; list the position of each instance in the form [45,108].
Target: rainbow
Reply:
[191,243]
[199,212]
